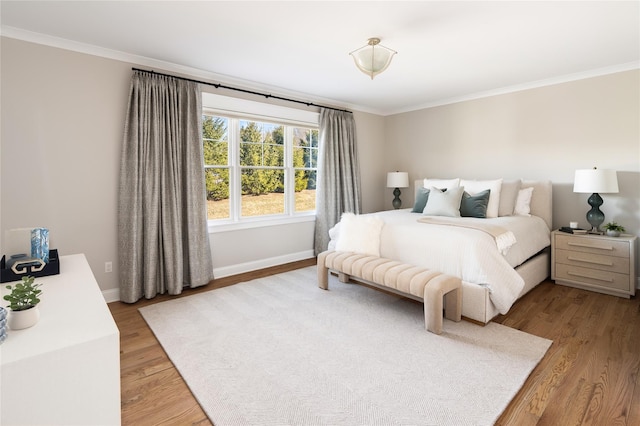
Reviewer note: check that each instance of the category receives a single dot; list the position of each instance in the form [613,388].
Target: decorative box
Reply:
[50,268]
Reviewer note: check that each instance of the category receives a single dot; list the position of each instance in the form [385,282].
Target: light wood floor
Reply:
[589,376]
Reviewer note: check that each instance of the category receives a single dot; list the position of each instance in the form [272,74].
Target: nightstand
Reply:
[594,262]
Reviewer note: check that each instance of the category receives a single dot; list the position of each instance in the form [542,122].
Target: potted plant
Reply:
[23,303]
[613,229]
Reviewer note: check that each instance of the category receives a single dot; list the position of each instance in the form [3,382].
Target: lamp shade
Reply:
[595,181]
[373,58]
[397,180]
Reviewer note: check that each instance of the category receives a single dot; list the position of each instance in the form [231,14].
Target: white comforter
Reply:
[467,253]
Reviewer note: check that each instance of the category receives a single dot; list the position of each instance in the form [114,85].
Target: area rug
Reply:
[281,351]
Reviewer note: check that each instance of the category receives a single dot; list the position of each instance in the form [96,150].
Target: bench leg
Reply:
[453,305]
[323,271]
[437,292]
[342,277]
[433,312]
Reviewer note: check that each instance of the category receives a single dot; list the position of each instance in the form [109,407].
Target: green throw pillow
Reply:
[421,200]
[475,205]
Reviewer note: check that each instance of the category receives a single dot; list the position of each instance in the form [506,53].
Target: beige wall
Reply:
[62,120]
[62,117]
[542,133]
[373,164]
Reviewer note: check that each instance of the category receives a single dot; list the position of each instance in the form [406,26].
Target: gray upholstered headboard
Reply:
[541,198]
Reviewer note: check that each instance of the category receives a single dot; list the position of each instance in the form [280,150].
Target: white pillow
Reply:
[360,234]
[444,203]
[523,202]
[442,183]
[475,186]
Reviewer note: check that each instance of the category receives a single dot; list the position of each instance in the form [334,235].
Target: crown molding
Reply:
[61,43]
[155,64]
[629,66]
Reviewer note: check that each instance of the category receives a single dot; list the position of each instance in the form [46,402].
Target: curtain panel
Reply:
[163,241]
[339,173]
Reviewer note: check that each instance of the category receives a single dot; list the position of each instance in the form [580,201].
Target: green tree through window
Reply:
[216,153]
[247,161]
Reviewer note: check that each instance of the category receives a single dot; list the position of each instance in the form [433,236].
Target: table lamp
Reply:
[595,181]
[397,180]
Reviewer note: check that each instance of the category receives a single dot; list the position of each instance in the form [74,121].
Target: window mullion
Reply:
[236,184]
[288,171]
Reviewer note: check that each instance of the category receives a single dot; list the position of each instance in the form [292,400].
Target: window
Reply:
[257,168]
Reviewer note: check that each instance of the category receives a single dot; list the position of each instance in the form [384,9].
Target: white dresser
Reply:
[65,370]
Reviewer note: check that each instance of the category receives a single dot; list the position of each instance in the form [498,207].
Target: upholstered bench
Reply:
[418,283]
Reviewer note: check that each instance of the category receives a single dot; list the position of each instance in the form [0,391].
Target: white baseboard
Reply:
[113,294]
[227,271]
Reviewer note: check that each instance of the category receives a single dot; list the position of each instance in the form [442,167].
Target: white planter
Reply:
[23,319]
[611,233]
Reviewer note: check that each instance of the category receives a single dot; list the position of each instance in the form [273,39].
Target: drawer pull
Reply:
[575,274]
[610,248]
[595,262]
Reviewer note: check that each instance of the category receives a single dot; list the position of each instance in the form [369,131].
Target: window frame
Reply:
[235,110]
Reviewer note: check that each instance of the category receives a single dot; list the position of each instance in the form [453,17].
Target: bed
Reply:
[499,257]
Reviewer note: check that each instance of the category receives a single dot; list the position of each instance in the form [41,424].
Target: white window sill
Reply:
[262,222]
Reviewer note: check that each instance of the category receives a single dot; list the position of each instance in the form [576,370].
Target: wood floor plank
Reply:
[586,373]
[589,376]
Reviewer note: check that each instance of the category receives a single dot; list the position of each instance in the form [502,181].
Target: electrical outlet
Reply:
[108,267]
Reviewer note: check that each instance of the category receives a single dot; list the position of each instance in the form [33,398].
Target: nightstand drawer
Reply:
[605,279]
[593,261]
[593,245]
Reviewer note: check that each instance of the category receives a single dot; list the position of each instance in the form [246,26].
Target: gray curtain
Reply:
[339,173]
[163,241]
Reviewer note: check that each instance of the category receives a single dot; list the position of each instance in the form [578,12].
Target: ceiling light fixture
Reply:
[373,58]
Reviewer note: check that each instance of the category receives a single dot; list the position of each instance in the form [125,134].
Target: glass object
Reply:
[373,58]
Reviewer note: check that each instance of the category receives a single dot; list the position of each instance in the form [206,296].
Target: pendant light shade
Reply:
[373,58]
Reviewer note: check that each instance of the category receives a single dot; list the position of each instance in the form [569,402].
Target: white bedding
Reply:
[468,253]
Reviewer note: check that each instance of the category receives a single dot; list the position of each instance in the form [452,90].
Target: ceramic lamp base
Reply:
[595,217]
[396,201]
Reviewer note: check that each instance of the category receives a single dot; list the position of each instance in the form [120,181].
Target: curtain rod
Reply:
[251,92]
